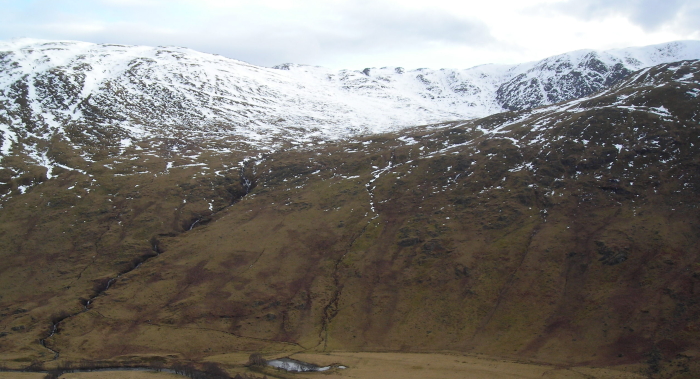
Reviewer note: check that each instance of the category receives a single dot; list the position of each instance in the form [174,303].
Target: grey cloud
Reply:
[648,14]
[367,28]
[689,20]
[377,23]
[267,38]
[377,28]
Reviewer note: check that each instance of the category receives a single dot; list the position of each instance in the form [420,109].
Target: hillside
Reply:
[565,234]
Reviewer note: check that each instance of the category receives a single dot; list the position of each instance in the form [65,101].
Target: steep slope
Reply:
[566,234]
[584,72]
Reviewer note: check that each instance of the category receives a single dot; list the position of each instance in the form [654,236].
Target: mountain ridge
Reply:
[143,90]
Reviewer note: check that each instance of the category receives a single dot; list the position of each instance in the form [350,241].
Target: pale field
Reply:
[120,375]
[94,375]
[385,366]
[445,366]
[21,375]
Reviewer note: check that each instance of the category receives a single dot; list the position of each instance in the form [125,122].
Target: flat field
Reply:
[373,365]
[121,375]
[447,366]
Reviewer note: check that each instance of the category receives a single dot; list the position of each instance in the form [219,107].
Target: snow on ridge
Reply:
[155,90]
[659,53]
[212,89]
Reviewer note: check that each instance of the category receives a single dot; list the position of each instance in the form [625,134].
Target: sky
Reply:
[355,34]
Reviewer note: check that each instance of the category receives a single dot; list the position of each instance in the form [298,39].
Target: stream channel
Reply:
[293,365]
[247,183]
[86,307]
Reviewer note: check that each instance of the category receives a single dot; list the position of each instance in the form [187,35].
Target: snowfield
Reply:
[138,91]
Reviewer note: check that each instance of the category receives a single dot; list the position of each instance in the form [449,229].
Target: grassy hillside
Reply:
[566,235]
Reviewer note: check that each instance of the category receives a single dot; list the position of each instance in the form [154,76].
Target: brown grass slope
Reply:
[567,235]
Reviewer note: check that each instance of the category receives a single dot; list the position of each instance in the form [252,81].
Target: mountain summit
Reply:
[48,87]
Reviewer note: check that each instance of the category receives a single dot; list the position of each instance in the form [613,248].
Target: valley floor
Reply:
[96,375]
[371,365]
[447,366]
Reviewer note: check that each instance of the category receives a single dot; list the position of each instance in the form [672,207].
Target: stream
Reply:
[86,307]
[293,365]
[287,364]
[248,183]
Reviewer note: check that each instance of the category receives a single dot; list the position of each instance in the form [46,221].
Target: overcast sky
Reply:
[357,33]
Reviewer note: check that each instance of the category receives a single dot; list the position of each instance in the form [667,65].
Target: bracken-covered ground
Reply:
[566,235]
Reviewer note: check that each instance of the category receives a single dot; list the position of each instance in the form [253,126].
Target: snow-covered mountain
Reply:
[565,234]
[50,87]
[580,73]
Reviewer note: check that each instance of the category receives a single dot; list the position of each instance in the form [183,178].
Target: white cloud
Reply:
[361,33]
[648,14]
